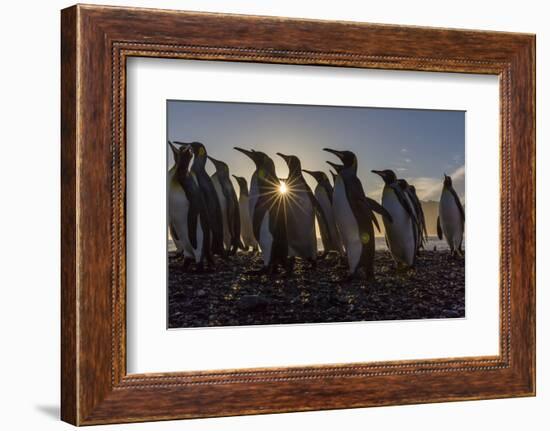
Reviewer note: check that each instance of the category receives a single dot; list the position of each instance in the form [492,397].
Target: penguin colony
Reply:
[277,216]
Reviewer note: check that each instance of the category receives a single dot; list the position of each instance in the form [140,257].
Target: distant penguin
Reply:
[323,193]
[301,208]
[187,216]
[209,195]
[229,206]
[269,222]
[257,157]
[247,232]
[353,212]
[402,234]
[410,193]
[450,222]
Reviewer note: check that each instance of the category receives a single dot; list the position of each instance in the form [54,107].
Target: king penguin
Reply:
[229,206]
[269,222]
[410,192]
[209,195]
[257,157]
[301,210]
[402,234]
[450,222]
[323,193]
[187,216]
[247,234]
[353,212]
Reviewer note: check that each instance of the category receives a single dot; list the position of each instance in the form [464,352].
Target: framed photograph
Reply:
[266,215]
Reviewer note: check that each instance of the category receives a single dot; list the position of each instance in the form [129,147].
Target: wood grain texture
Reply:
[96,41]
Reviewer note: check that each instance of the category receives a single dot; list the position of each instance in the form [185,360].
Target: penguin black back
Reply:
[209,196]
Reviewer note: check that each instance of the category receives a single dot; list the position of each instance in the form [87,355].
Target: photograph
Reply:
[289,214]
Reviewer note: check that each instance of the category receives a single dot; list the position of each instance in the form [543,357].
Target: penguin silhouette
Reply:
[229,205]
[354,214]
[402,233]
[209,195]
[247,233]
[450,222]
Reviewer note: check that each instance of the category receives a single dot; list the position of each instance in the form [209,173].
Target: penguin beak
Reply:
[308,172]
[283,156]
[337,153]
[378,173]
[249,153]
[173,147]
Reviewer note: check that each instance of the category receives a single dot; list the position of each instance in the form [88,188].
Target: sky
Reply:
[419,145]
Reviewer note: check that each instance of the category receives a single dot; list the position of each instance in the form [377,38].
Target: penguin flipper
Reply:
[377,208]
[405,203]
[439,232]
[323,223]
[459,205]
[375,221]
[173,232]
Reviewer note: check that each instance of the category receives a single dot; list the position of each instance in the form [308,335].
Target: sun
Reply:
[282,188]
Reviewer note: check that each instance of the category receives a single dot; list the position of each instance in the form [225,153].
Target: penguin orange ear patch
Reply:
[202,151]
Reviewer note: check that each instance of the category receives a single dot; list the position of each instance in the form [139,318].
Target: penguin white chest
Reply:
[347,224]
[400,233]
[178,210]
[450,220]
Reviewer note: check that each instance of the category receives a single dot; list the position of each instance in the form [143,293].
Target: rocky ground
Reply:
[229,296]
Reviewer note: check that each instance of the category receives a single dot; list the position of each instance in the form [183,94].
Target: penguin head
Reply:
[319,176]
[175,152]
[387,175]
[197,149]
[182,155]
[255,156]
[221,167]
[447,181]
[293,163]
[348,158]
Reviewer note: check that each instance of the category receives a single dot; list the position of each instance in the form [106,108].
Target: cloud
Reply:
[429,188]
[404,150]
[408,160]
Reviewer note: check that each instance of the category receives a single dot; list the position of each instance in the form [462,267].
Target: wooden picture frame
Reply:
[95,43]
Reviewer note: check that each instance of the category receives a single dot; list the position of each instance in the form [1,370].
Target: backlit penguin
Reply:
[410,192]
[402,234]
[209,196]
[247,233]
[269,222]
[323,193]
[301,209]
[450,222]
[229,205]
[354,216]
[187,216]
[257,157]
